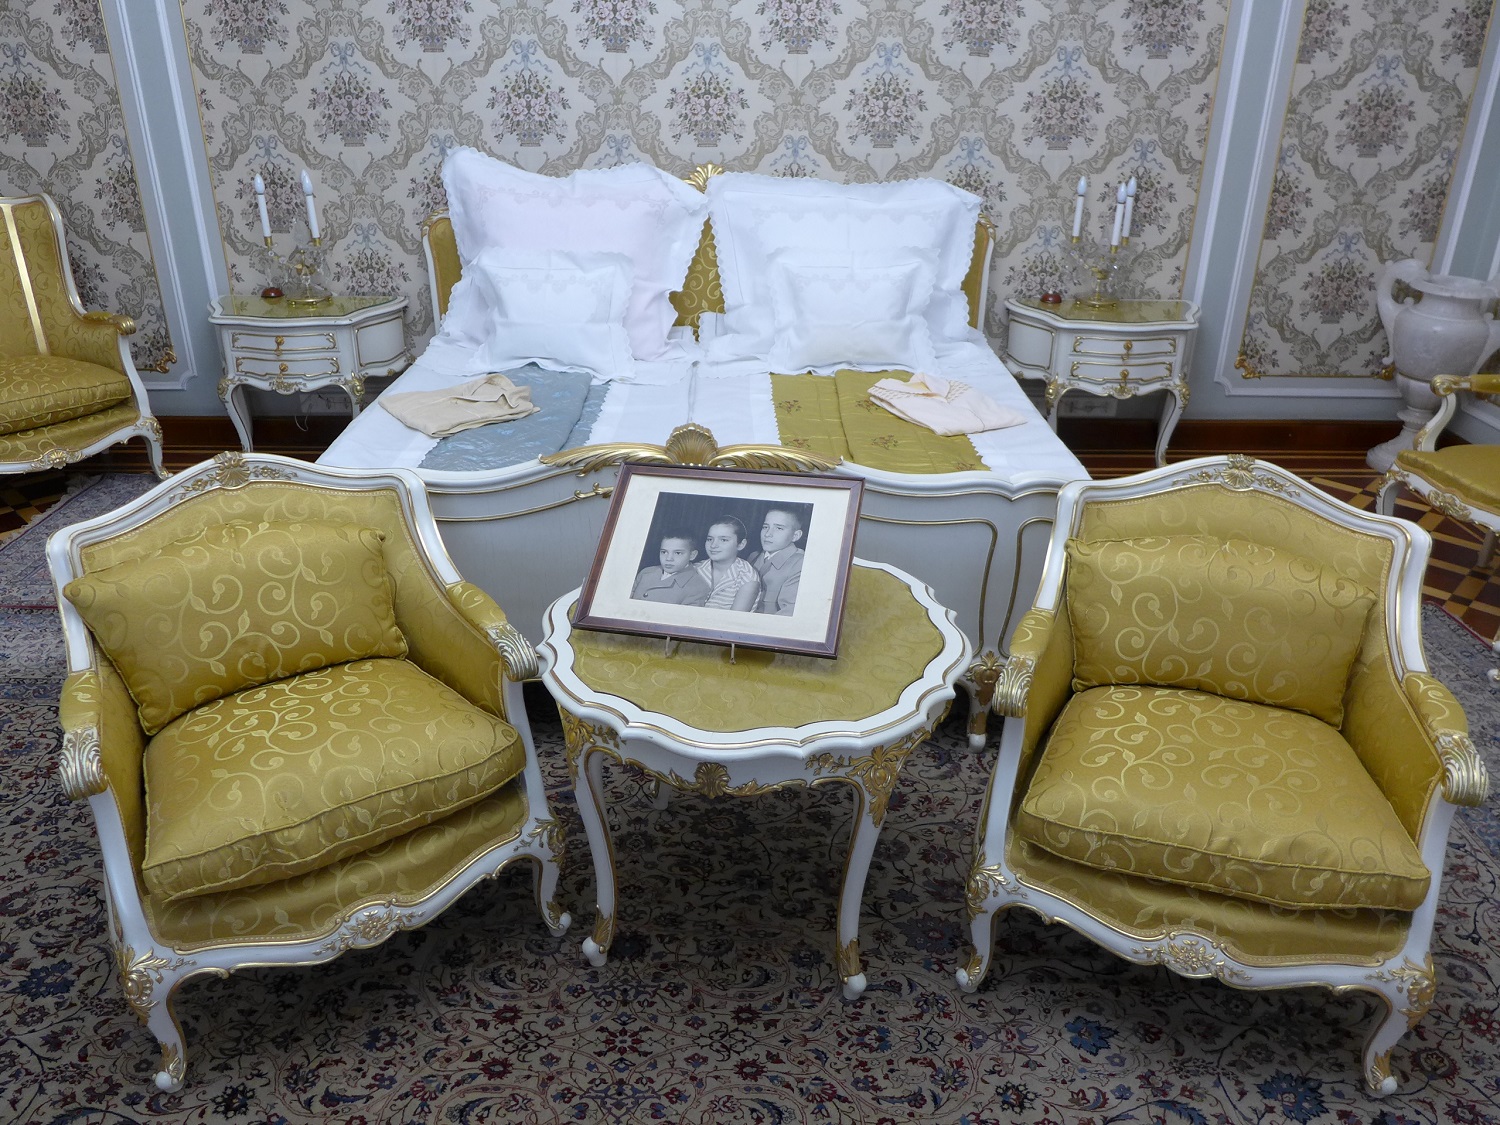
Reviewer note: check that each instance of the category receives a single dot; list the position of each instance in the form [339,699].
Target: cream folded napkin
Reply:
[945,406]
[493,398]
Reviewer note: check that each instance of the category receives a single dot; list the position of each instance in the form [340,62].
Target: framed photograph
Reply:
[727,556]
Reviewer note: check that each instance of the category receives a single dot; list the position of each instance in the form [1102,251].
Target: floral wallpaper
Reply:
[62,132]
[1380,97]
[1012,99]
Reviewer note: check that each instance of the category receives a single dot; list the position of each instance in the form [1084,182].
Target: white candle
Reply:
[1083,186]
[1129,207]
[1114,237]
[312,215]
[260,202]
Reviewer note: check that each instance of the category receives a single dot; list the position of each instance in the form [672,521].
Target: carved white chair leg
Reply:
[1382,1039]
[544,882]
[971,974]
[1487,549]
[161,1020]
[152,437]
[1494,673]
[1385,499]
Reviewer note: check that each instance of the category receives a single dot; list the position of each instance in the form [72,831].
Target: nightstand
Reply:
[274,347]
[1127,349]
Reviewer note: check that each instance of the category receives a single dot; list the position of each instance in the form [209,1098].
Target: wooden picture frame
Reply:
[681,556]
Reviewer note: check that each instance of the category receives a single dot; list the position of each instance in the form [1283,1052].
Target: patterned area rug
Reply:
[24,580]
[720,1002]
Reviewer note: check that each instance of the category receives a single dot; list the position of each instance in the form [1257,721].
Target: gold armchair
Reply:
[68,387]
[298,729]
[1462,481]
[1223,752]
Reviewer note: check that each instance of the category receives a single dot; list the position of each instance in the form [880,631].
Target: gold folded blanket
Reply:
[945,406]
[493,398]
[836,416]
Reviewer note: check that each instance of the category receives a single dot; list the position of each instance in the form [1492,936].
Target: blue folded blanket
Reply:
[569,408]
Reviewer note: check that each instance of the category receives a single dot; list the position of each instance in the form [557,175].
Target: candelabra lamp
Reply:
[1100,262]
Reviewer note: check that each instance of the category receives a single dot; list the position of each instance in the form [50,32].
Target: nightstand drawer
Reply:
[1112,348]
[1029,344]
[269,367]
[382,344]
[283,344]
[1128,371]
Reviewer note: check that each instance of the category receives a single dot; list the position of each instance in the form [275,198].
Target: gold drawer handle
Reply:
[280,340]
[284,368]
[1128,345]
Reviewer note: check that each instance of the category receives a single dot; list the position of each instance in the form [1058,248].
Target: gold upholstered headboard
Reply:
[700,290]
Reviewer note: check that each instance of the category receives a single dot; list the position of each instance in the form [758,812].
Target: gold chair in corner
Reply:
[68,387]
[1223,752]
[298,729]
[1461,481]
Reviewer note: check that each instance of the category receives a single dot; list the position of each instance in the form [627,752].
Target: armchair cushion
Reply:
[1246,800]
[1470,471]
[1235,618]
[237,605]
[41,390]
[288,777]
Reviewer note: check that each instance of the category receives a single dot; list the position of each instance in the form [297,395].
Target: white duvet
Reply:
[733,403]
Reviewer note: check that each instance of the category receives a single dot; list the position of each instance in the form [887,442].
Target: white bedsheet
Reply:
[735,407]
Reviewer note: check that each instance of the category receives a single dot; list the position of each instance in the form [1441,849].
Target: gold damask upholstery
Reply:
[1462,481]
[68,387]
[351,753]
[1223,750]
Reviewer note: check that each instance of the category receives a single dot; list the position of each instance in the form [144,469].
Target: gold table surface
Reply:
[1121,312]
[278,309]
[887,641]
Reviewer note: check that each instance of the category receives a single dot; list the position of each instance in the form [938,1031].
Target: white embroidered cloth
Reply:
[945,406]
[479,402]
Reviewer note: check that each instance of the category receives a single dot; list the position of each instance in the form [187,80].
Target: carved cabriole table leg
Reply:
[873,777]
[619,698]
[586,767]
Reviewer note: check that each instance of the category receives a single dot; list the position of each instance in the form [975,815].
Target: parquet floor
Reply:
[1454,581]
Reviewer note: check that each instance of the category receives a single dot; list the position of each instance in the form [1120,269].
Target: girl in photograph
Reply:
[734,582]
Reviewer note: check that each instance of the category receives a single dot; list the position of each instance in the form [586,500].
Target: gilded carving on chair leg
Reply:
[1418,982]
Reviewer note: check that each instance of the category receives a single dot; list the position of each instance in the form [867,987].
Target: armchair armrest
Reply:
[103,747]
[1038,676]
[1465,779]
[482,611]
[80,765]
[95,337]
[1446,387]
[123,325]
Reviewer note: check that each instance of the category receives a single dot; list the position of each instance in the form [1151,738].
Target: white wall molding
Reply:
[149,50]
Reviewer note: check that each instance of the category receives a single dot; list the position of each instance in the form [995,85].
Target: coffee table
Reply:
[719,722]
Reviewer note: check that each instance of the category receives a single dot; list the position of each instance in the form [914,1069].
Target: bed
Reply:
[521,505]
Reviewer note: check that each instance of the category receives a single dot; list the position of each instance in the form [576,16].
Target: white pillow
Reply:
[561,311]
[652,218]
[756,217]
[852,314]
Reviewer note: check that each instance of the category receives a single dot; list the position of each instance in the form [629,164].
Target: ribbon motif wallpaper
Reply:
[64,134]
[1380,97]
[1012,99]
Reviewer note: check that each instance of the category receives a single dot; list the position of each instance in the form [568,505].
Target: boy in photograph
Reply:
[779,562]
[676,580]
